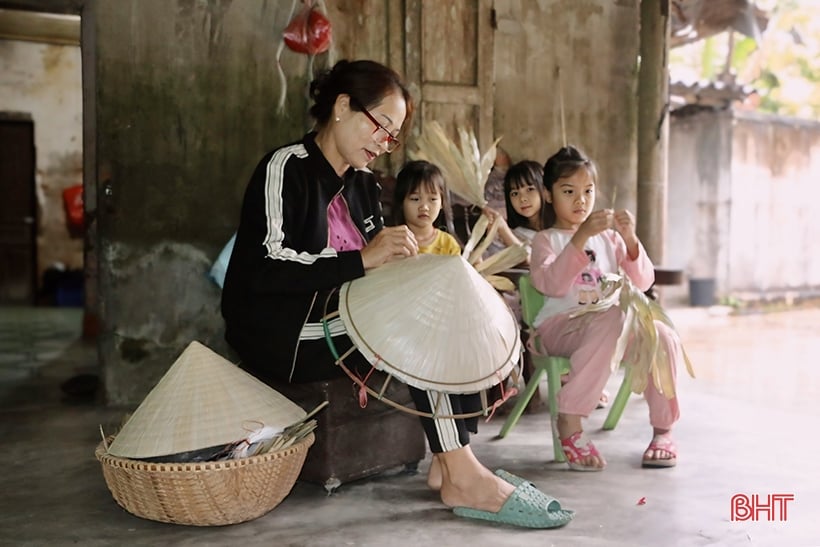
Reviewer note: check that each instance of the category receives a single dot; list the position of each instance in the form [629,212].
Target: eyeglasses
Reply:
[385,137]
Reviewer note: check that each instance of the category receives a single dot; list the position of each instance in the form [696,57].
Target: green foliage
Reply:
[784,68]
[743,50]
[809,72]
[709,60]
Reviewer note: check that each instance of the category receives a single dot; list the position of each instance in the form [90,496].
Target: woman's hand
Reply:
[392,242]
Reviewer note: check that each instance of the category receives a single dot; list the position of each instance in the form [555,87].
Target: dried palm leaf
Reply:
[465,169]
[489,237]
[500,283]
[639,343]
[649,353]
[479,229]
[508,257]
[502,260]
[270,439]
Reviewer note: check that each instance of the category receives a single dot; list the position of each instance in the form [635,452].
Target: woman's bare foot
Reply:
[434,474]
[569,425]
[467,483]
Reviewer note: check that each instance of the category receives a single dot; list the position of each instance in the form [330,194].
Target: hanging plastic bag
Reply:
[309,32]
[73,204]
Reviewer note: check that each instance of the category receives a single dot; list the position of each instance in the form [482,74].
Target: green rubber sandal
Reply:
[515,480]
[526,507]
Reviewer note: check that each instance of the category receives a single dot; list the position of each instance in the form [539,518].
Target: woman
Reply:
[311,220]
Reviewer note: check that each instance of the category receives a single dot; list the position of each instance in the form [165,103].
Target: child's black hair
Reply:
[565,163]
[520,175]
[412,176]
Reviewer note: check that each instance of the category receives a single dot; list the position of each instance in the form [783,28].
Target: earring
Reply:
[338,119]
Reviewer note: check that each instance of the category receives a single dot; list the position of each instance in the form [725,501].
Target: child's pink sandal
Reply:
[660,442]
[577,448]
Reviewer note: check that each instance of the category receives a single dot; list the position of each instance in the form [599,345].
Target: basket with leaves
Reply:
[209,445]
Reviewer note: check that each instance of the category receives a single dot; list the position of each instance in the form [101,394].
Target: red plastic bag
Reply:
[309,31]
[73,203]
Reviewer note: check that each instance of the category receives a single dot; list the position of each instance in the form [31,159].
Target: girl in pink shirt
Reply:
[569,260]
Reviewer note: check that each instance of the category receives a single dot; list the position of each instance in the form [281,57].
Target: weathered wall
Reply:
[45,82]
[186,96]
[743,191]
[700,154]
[595,44]
[774,244]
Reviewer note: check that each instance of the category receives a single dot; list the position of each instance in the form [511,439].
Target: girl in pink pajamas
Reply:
[578,245]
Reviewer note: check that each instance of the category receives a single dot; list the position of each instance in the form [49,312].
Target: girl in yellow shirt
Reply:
[420,199]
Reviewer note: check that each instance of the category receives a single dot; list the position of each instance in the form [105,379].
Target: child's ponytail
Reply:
[565,163]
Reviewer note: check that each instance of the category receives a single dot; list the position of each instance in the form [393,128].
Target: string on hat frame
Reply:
[486,408]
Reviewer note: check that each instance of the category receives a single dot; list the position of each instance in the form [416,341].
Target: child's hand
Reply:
[504,231]
[492,214]
[596,222]
[624,224]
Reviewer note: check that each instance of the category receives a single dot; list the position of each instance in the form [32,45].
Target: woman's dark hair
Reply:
[565,163]
[366,82]
[520,175]
[414,175]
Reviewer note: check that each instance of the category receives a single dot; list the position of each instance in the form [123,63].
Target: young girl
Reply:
[523,196]
[581,241]
[421,195]
[420,200]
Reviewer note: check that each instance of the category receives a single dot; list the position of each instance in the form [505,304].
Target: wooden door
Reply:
[447,57]
[17,213]
[449,62]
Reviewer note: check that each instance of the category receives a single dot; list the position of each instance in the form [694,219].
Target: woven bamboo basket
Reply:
[204,493]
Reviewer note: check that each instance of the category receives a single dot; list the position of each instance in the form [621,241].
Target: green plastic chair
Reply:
[554,367]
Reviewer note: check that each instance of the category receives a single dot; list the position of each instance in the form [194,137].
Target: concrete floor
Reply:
[748,426]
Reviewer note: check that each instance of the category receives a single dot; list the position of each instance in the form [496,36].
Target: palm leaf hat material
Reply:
[433,322]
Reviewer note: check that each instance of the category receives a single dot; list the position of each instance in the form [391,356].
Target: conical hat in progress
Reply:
[203,400]
[433,322]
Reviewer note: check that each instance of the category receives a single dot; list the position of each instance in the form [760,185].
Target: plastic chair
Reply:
[554,367]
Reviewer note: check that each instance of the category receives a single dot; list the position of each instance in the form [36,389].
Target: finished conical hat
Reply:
[433,322]
[203,400]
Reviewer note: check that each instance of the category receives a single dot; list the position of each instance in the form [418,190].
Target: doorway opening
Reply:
[43,236]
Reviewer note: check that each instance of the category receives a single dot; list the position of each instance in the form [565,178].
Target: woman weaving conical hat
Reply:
[311,221]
